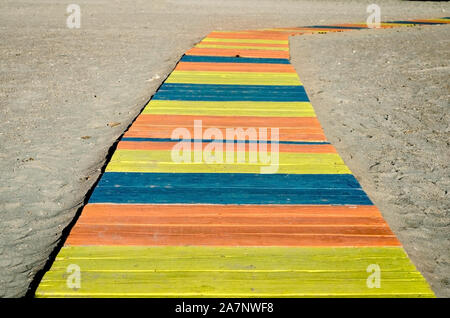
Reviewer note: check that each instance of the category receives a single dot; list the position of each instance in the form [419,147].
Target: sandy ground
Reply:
[60,90]
[390,123]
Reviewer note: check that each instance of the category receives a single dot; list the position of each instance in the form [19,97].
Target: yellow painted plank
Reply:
[439,20]
[138,271]
[234,78]
[258,109]
[161,161]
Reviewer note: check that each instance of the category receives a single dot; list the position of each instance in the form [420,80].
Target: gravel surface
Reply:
[66,95]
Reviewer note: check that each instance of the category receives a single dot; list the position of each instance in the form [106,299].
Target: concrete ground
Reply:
[66,95]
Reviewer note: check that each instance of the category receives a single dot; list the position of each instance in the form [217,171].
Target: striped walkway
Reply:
[157,228]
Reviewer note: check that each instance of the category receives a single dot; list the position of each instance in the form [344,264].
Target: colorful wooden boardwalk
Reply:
[158,228]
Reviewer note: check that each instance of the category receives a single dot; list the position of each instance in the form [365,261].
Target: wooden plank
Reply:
[149,145]
[286,134]
[259,41]
[207,188]
[230,180]
[180,195]
[241,235]
[437,21]
[238,53]
[233,59]
[133,271]
[247,35]
[231,214]
[161,161]
[109,224]
[233,88]
[296,130]
[230,121]
[231,92]
[234,78]
[229,108]
[234,67]
[241,46]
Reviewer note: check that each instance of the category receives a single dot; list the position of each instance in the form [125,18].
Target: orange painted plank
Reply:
[128,230]
[268,210]
[166,132]
[162,126]
[231,214]
[229,236]
[248,35]
[240,52]
[244,44]
[235,67]
[143,145]
[226,121]
[286,134]
[160,225]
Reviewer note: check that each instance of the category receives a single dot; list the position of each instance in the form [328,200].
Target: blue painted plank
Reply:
[139,195]
[222,97]
[212,92]
[229,59]
[229,180]
[210,188]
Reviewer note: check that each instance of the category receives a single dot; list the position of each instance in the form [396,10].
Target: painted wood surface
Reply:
[231,188]
[142,271]
[230,108]
[157,228]
[232,59]
[200,88]
[234,67]
[161,161]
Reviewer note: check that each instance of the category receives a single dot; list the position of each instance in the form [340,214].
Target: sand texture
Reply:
[66,95]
